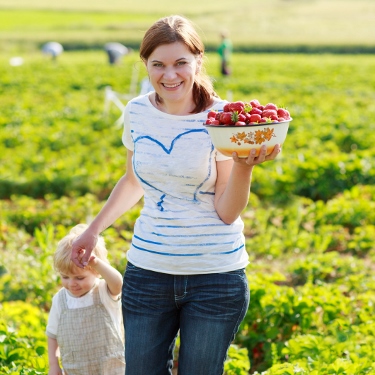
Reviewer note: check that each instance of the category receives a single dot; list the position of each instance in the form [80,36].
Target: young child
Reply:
[85,321]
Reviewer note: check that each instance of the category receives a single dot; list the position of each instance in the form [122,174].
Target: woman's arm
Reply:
[124,196]
[53,359]
[233,182]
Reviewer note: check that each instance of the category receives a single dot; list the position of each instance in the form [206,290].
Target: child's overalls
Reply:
[88,341]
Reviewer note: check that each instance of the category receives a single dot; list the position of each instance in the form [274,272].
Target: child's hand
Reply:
[93,261]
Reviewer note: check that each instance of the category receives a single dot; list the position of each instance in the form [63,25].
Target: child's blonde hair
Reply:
[61,259]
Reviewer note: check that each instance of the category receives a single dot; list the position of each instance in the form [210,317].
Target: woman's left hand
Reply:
[253,159]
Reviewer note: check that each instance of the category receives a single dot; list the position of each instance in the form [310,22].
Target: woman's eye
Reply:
[181,63]
[158,65]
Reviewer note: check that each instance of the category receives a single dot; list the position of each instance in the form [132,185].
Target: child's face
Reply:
[78,283]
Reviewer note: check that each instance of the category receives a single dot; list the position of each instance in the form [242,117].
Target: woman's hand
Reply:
[252,159]
[82,248]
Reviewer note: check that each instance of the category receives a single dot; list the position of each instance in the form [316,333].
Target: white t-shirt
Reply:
[113,306]
[178,231]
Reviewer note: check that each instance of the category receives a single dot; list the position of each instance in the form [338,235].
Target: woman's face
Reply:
[172,69]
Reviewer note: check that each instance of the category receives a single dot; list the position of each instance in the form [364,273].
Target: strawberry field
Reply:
[309,224]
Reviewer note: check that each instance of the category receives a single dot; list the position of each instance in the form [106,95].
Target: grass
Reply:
[250,22]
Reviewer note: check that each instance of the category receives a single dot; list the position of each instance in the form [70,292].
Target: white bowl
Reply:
[242,139]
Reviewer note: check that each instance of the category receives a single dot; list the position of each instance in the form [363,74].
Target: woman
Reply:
[185,270]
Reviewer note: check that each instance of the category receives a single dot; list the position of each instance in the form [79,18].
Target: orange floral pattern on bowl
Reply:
[253,137]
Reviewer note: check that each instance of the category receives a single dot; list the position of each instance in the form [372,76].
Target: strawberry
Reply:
[282,112]
[254,103]
[240,123]
[236,107]
[226,108]
[269,113]
[242,117]
[215,122]
[212,114]
[255,118]
[248,115]
[271,106]
[226,118]
[256,111]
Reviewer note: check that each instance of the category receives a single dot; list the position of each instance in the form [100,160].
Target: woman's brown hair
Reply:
[173,29]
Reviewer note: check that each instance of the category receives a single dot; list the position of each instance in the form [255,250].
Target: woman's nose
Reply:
[169,73]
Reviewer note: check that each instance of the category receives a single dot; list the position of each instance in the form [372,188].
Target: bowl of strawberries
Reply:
[243,126]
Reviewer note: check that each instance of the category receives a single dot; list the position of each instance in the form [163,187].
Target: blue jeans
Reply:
[206,309]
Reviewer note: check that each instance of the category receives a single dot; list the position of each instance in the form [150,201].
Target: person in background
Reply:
[85,321]
[116,51]
[185,270]
[225,52]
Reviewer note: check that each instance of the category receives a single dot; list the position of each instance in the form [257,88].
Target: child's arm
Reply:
[108,273]
[53,359]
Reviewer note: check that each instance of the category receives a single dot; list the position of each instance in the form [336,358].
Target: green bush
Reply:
[237,362]
[23,348]
[280,312]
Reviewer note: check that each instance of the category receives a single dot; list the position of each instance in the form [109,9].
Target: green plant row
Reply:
[269,48]
[57,139]
[344,224]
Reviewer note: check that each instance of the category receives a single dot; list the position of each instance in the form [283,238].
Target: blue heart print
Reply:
[162,171]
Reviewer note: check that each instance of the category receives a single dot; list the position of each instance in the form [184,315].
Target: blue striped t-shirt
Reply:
[178,231]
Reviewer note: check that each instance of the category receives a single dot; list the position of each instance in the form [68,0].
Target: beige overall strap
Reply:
[96,296]
[62,300]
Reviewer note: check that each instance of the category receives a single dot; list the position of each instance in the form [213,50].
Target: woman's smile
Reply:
[172,86]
